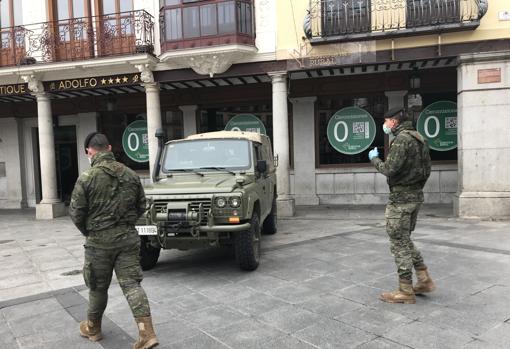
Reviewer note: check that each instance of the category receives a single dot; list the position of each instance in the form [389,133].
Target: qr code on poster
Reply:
[450,122]
[358,127]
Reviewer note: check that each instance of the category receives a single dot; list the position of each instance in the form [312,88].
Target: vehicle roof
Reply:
[252,136]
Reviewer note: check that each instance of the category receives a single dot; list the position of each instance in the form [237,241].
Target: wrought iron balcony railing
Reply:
[208,23]
[78,39]
[365,19]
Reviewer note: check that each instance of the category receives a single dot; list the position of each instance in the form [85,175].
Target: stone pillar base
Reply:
[306,200]
[286,207]
[482,205]
[50,210]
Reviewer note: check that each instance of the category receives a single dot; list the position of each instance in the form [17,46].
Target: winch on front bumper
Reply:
[190,224]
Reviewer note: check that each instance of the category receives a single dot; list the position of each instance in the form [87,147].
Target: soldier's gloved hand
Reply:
[373,154]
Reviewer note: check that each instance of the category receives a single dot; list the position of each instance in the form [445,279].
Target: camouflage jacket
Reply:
[106,202]
[407,166]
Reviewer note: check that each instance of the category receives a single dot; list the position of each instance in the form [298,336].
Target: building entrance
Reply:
[67,161]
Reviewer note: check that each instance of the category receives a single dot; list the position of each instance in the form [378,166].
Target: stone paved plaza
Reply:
[317,287]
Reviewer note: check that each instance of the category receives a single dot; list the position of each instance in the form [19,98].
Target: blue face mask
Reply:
[386,129]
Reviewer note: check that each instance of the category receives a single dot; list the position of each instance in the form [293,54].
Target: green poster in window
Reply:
[438,124]
[246,122]
[135,141]
[351,130]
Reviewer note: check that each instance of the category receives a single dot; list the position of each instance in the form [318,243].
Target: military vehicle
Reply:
[210,189]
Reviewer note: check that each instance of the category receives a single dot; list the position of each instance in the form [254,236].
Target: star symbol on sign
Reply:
[117,80]
[110,81]
[103,81]
[125,79]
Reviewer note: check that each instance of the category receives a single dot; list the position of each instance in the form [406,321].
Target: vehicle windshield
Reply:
[208,154]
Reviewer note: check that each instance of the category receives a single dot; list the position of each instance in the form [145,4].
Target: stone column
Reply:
[285,201]
[50,205]
[303,116]
[189,119]
[153,110]
[483,128]
[153,120]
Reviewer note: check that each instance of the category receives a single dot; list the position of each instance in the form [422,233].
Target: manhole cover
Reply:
[72,272]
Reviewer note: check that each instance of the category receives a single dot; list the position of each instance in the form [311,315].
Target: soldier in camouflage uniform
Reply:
[407,168]
[106,202]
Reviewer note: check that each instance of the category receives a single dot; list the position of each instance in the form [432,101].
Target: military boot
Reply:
[425,283]
[91,329]
[404,294]
[147,338]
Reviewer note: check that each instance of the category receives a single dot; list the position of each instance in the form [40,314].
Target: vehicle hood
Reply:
[193,184]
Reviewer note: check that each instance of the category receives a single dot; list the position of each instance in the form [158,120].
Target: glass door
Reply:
[73,29]
[12,35]
[116,29]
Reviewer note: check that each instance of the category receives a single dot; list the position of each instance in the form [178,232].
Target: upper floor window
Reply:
[115,6]
[67,9]
[192,19]
[10,13]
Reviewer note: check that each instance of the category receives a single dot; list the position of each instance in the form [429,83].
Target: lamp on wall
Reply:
[110,103]
[414,80]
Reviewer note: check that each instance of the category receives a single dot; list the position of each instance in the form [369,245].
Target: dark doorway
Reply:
[66,161]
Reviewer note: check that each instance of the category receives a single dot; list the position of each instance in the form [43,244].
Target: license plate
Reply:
[147,229]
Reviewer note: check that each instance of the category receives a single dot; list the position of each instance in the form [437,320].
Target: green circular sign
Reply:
[351,130]
[438,124]
[246,122]
[135,141]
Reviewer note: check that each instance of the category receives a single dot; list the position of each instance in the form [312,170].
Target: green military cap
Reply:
[87,140]
[398,113]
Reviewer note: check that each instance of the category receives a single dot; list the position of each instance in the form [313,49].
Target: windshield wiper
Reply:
[184,170]
[218,169]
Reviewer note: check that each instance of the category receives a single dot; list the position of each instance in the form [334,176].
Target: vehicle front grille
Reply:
[194,204]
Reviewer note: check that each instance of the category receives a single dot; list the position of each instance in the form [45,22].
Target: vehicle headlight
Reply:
[235,201]
[221,202]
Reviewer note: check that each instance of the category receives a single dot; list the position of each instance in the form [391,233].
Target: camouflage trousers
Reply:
[400,222]
[97,273]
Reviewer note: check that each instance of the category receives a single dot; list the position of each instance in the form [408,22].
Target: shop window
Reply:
[327,107]
[428,99]
[113,124]
[173,124]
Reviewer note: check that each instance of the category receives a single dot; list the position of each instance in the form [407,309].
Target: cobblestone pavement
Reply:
[317,287]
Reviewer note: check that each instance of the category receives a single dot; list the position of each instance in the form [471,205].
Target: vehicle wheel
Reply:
[148,254]
[247,245]
[270,225]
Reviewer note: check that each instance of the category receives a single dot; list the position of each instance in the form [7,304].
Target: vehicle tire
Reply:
[270,225]
[148,254]
[247,245]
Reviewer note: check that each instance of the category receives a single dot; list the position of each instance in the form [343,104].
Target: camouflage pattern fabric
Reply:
[407,166]
[98,270]
[407,169]
[105,204]
[400,222]
[107,195]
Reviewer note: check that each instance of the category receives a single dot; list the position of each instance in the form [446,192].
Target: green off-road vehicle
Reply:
[210,189]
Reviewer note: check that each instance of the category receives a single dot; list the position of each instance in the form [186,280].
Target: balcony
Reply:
[218,31]
[78,39]
[349,20]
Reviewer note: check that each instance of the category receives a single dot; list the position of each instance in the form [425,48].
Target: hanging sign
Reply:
[351,130]
[438,124]
[246,122]
[135,141]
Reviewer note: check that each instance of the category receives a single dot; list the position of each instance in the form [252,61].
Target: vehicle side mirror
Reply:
[261,166]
